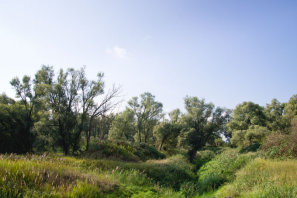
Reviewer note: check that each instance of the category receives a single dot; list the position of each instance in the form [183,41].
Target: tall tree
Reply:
[29,101]
[147,112]
[61,96]
[74,103]
[201,123]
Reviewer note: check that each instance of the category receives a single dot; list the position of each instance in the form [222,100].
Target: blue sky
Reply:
[226,51]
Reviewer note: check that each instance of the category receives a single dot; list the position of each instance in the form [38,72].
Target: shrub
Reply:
[279,145]
[110,150]
[145,152]
[251,148]
[203,157]
[123,151]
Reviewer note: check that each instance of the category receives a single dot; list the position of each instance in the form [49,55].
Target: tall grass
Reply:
[53,176]
[221,169]
[21,177]
[264,178]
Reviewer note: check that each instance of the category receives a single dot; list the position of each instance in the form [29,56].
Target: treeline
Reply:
[67,112]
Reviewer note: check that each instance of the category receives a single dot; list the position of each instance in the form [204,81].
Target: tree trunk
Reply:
[88,139]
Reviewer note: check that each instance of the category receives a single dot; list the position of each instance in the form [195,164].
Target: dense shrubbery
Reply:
[203,157]
[279,145]
[123,151]
[111,151]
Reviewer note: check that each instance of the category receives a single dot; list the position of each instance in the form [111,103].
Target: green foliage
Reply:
[123,151]
[251,148]
[263,178]
[145,152]
[245,115]
[122,127]
[274,113]
[221,169]
[279,145]
[291,108]
[110,151]
[201,124]
[203,157]
[166,134]
[253,135]
[189,189]
[14,134]
[147,112]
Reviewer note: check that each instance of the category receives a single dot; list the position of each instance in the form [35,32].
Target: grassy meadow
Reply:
[229,173]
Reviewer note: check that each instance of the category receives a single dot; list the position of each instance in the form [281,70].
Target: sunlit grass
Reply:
[264,178]
[56,176]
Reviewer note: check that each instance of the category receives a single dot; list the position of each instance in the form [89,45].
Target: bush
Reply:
[110,151]
[251,148]
[203,157]
[279,145]
[123,151]
[145,152]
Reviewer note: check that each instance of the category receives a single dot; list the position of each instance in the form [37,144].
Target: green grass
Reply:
[264,178]
[53,176]
[228,174]
[221,169]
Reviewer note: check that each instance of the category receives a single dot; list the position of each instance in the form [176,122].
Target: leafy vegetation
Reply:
[206,151]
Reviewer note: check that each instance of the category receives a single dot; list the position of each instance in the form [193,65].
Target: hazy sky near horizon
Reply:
[226,51]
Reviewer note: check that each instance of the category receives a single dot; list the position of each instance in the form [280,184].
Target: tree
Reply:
[147,112]
[29,102]
[92,106]
[290,115]
[274,114]
[74,103]
[100,109]
[254,134]
[12,117]
[122,127]
[166,132]
[61,96]
[202,123]
[245,115]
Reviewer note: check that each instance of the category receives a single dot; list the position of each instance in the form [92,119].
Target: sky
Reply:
[226,51]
